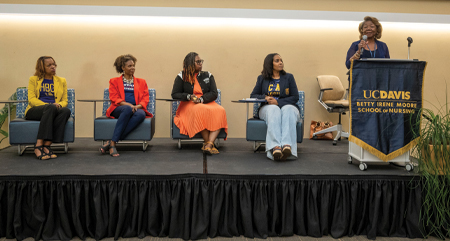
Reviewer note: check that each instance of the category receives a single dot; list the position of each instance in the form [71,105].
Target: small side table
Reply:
[247,102]
[95,108]
[95,103]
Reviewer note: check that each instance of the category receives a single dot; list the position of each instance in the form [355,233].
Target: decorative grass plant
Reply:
[4,117]
[433,154]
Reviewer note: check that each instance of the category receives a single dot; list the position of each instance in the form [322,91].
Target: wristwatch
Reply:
[188,97]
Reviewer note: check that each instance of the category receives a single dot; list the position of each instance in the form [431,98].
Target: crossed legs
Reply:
[127,120]
[209,137]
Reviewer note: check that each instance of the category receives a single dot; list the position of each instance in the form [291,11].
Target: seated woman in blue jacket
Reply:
[280,113]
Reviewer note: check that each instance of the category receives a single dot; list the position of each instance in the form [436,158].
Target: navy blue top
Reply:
[129,93]
[288,90]
[274,88]
[381,52]
[47,91]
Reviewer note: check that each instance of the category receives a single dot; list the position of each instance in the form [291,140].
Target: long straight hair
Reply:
[267,71]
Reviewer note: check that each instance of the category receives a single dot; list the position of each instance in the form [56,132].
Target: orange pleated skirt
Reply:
[192,118]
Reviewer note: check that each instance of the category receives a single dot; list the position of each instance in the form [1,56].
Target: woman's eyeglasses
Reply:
[199,61]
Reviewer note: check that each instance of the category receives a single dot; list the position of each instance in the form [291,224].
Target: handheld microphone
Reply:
[410,40]
[365,39]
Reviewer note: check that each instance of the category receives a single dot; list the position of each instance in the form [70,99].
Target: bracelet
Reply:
[188,97]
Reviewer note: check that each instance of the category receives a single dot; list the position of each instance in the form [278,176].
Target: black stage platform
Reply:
[163,192]
[163,157]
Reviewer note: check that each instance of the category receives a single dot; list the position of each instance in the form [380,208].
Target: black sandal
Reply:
[114,151]
[104,149]
[50,152]
[43,154]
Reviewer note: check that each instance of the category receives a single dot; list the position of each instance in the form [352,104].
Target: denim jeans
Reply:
[126,121]
[281,127]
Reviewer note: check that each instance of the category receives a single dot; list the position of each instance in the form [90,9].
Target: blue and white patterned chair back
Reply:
[150,107]
[300,104]
[175,104]
[22,94]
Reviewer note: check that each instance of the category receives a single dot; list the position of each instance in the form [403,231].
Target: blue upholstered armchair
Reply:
[104,126]
[24,132]
[257,128]
[175,131]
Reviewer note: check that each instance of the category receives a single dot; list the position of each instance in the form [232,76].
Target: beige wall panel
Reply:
[86,50]
[399,6]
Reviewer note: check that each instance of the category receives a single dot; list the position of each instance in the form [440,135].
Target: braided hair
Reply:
[189,67]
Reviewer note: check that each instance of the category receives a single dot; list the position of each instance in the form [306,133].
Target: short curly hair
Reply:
[121,60]
[374,21]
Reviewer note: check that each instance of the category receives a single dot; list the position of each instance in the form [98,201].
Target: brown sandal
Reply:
[204,146]
[214,151]
[286,152]
[210,150]
[277,154]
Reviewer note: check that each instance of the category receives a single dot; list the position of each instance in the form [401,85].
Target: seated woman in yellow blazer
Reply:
[47,101]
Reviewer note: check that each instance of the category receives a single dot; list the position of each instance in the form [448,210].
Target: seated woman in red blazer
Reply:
[129,99]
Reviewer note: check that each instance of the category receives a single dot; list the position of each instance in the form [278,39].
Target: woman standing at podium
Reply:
[280,113]
[198,112]
[372,47]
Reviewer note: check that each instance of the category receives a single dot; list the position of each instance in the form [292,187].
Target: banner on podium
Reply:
[385,97]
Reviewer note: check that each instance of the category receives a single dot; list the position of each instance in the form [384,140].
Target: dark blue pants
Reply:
[126,121]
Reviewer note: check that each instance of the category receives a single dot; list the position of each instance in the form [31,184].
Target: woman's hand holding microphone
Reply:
[361,45]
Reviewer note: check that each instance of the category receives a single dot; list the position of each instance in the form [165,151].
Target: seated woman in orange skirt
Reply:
[197,111]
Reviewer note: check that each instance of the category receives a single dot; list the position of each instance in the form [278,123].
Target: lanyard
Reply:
[374,51]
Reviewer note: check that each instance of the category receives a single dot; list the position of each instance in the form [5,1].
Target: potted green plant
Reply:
[433,157]
[4,117]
